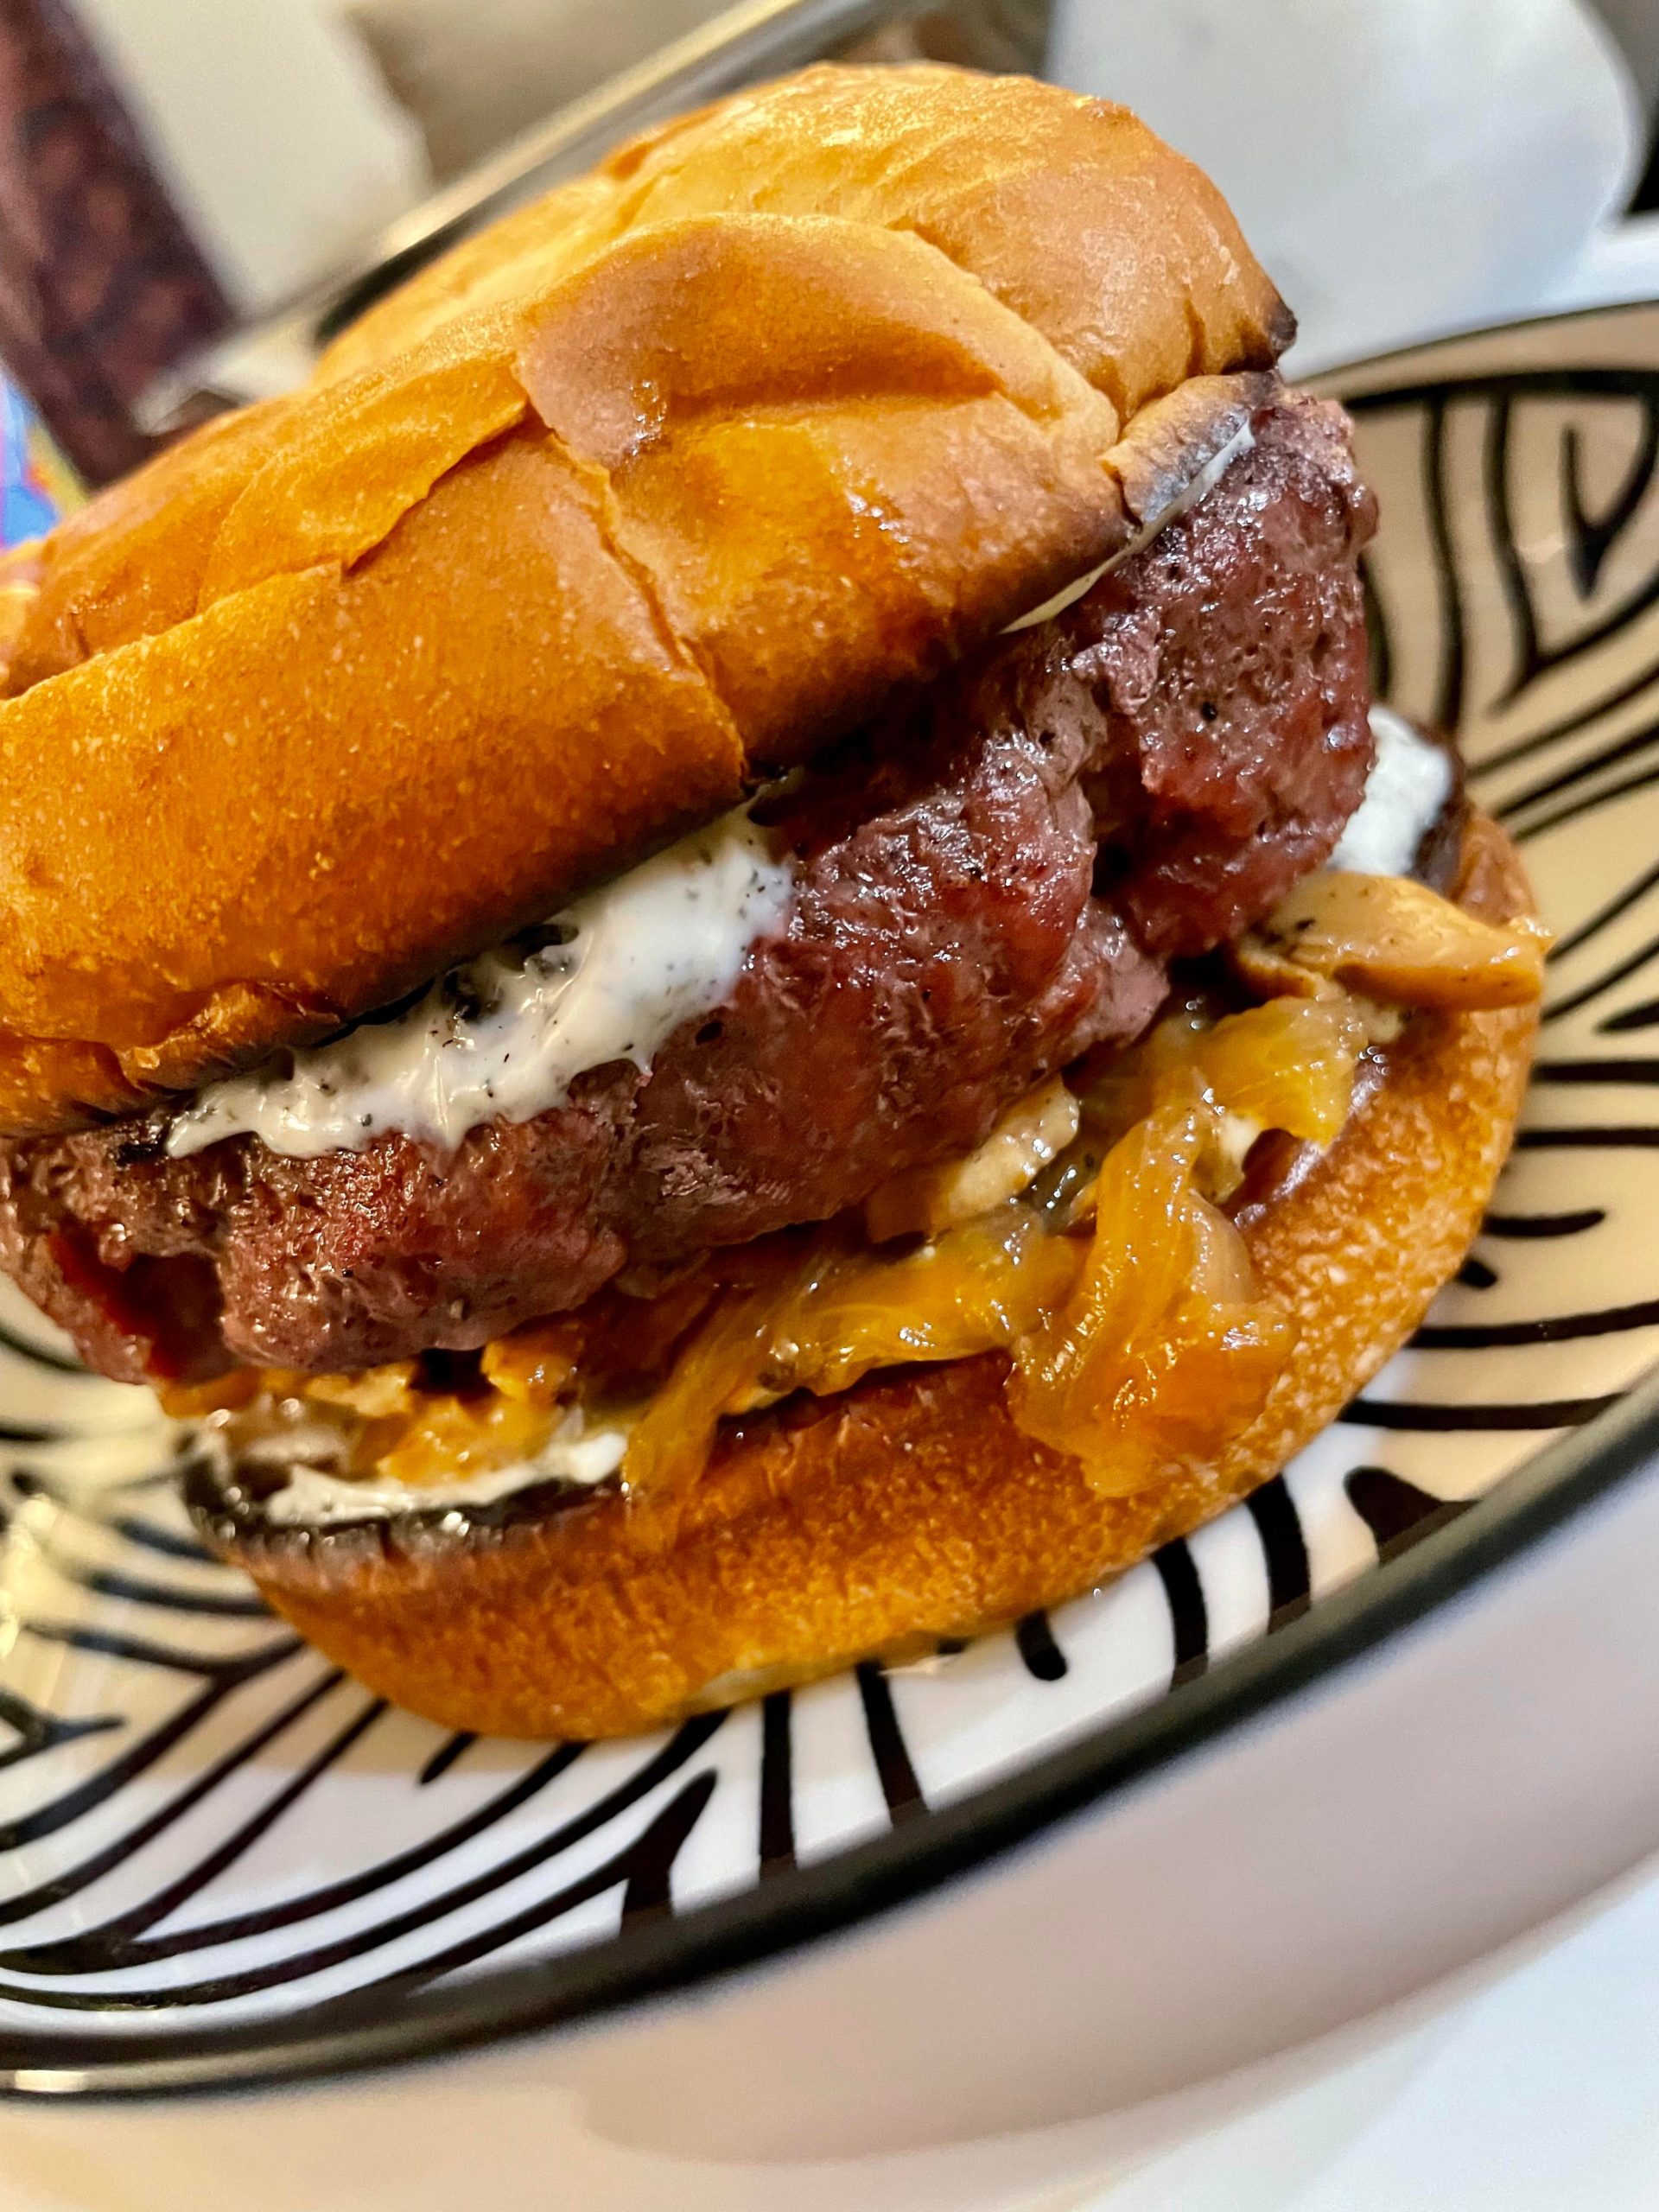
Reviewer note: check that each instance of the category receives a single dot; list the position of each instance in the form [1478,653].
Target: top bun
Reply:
[659,484]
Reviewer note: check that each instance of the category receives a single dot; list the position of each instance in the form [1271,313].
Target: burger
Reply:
[716,954]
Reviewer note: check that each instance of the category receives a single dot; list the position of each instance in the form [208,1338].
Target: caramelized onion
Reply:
[1163,1351]
[1287,1064]
[718,1368]
[450,1438]
[976,1289]
[536,1364]
[378,1393]
[837,1311]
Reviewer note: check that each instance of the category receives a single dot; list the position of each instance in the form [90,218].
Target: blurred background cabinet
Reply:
[1452,159]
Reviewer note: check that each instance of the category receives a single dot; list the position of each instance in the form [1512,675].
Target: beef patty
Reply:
[986,884]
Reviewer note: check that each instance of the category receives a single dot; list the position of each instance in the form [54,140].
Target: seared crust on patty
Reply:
[351,685]
[984,892]
[911,1506]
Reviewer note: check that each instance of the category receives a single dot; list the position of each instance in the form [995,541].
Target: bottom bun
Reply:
[910,1507]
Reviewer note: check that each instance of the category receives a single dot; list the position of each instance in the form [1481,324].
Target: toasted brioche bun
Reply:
[910,1507]
[660,484]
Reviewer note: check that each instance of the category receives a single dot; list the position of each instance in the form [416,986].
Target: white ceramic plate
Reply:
[219,1860]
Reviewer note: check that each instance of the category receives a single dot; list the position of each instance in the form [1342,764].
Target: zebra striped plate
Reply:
[219,1860]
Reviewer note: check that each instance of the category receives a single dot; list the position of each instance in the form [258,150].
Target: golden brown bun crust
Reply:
[912,1505]
[662,480]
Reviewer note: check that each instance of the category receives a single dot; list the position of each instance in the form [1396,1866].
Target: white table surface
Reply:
[1541,2095]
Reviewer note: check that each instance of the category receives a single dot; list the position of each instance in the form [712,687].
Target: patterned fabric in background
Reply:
[101,286]
[37,483]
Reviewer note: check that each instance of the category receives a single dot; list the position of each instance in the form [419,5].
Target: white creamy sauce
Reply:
[1409,782]
[504,1036]
[313,1497]
[1195,489]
